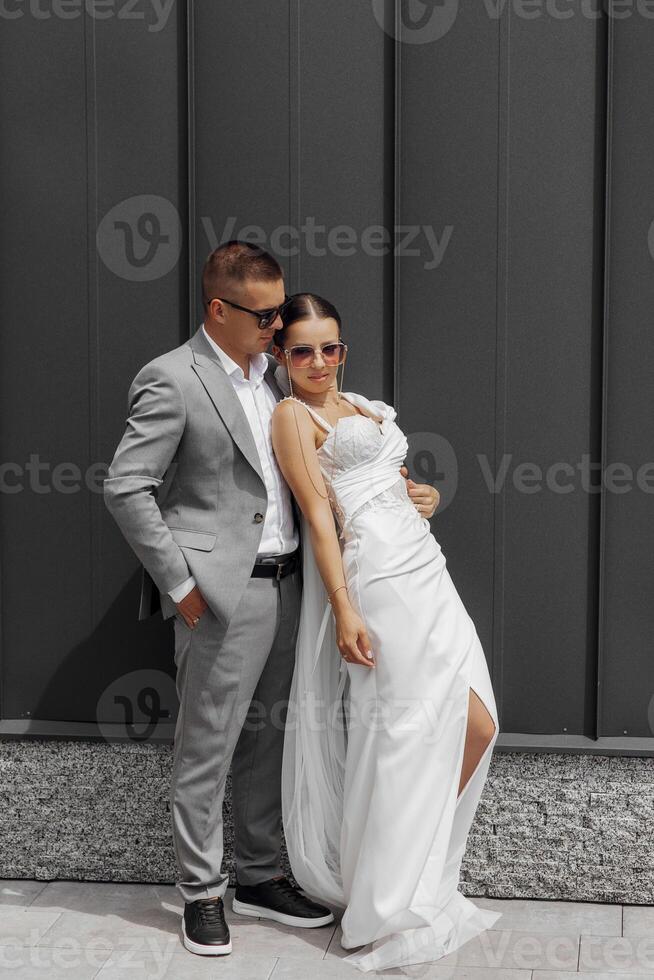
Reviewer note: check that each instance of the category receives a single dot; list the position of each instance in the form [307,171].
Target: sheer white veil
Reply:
[315,740]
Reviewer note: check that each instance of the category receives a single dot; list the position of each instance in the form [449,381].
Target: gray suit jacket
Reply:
[185,485]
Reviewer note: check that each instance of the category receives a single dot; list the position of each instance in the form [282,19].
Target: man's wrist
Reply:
[182,590]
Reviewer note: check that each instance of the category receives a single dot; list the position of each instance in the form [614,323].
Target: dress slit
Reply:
[467,801]
[488,748]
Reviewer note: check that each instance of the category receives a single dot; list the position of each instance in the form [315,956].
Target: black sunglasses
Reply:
[265,317]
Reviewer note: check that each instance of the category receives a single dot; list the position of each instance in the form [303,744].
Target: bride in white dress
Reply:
[392,719]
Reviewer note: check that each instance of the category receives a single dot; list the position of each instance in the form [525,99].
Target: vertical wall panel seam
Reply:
[294,122]
[191,199]
[92,281]
[501,347]
[610,45]
[397,190]
[2,641]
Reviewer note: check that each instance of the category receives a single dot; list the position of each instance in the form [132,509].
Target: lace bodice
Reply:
[349,445]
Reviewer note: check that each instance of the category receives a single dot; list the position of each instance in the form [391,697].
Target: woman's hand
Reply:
[352,637]
[424,497]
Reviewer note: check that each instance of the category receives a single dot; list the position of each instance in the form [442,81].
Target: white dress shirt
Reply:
[279,533]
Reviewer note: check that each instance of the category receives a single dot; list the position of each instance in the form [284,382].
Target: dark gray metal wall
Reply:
[92,113]
[514,332]
[626,674]
[499,346]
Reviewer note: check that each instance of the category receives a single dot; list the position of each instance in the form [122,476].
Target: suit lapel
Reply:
[215,380]
[212,374]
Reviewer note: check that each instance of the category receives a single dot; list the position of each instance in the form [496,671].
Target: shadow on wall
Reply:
[123,673]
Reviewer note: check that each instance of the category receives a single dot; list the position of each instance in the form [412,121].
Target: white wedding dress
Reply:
[372,756]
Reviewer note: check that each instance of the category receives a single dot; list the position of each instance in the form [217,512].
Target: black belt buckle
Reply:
[281,564]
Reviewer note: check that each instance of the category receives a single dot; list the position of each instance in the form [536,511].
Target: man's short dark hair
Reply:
[235,262]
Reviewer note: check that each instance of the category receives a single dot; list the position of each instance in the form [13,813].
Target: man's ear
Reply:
[216,310]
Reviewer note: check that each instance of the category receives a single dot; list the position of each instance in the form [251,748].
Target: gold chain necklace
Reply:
[331,475]
[334,428]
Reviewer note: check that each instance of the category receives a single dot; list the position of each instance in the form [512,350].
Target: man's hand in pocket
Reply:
[191,607]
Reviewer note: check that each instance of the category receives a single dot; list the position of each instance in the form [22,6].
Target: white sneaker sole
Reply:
[203,950]
[261,912]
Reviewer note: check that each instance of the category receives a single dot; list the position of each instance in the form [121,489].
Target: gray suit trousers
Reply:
[233,685]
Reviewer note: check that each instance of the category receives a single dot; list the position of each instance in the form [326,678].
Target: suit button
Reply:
[258,518]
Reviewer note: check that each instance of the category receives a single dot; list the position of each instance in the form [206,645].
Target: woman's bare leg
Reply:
[479,734]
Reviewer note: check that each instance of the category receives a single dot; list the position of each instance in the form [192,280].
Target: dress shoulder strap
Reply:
[317,417]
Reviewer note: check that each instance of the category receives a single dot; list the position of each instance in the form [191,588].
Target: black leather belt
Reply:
[276,566]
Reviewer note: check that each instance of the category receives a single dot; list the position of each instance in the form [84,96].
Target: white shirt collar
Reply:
[258,362]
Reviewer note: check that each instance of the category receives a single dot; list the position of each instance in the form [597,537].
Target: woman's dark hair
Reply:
[301,307]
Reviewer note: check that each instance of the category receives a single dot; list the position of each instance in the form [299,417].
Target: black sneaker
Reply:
[204,928]
[278,899]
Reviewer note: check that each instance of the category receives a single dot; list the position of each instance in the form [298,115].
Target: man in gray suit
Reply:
[196,491]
